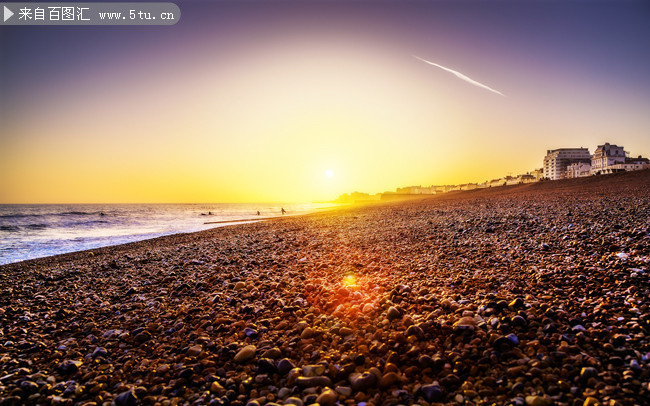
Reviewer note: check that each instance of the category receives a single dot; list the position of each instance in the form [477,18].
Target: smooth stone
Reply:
[538,401]
[514,340]
[69,367]
[516,303]
[29,386]
[393,313]
[414,331]
[284,392]
[368,308]
[327,398]
[502,344]
[194,351]
[142,337]
[517,387]
[313,370]
[267,365]
[518,321]
[99,352]
[307,333]
[450,381]
[215,387]
[432,393]
[361,382]
[588,372]
[127,398]
[465,321]
[273,353]
[589,401]
[313,381]
[186,373]
[240,285]
[293,401]
[345,331]
[388,379]
[310,398]
[249,332]
[284,366]
[245,354]
[344,390]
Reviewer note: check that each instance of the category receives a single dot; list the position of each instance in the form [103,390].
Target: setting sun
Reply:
[329,173]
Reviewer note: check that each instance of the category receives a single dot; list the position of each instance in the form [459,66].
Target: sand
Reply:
[534,294]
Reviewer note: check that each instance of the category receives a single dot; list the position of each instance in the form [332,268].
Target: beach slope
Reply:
[534,294]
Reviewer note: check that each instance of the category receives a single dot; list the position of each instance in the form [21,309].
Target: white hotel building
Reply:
[557,160]
[606,155]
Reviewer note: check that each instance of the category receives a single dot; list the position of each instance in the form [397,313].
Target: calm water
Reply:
[34,231]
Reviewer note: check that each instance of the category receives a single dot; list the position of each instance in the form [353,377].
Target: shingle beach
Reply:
[528,295]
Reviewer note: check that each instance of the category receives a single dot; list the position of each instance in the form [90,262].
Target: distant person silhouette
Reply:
[258,212]
[284,211]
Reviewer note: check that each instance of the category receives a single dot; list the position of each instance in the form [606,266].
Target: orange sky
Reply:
[261,115]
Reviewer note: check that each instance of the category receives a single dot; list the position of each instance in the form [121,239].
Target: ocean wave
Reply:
[18,215]
[36,226]
[87,223]
[9,228]
[65,213]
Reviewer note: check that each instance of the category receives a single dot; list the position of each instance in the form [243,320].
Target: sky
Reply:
[259,101]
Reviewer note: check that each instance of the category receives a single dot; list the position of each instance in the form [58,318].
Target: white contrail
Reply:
[461,76]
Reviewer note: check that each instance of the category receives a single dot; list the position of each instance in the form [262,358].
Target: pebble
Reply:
[327,398]
[293,401]
[389,379]
[245,354]
[362,381]
[307,333]
[538,401]
[194,351]
[69,367]
[284,366]
[313,381]
[127,398]
[432,393]
[393,313]
[588,372]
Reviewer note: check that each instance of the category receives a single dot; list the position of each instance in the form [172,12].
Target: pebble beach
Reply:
[524,295]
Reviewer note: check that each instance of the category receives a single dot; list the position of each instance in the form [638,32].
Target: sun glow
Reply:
[349,281]
[329,173]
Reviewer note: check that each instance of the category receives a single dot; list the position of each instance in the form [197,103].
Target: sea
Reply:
[29,231]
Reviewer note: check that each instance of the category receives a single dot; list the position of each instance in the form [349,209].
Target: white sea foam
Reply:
[35,231]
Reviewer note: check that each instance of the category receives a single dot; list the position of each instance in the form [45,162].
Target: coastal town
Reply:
[561,163]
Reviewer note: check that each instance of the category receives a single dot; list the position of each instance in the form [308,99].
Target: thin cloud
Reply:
[461,76]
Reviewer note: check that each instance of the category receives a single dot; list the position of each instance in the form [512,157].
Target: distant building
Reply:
[468,186]
[557,160]
[356,197]
[527,178]
[416,190]
[606,155]
[538,173]
[631,164]
[512,180]
[578,170]
[496,182]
